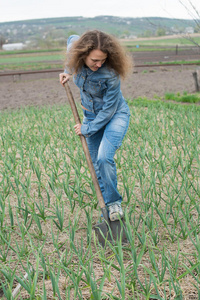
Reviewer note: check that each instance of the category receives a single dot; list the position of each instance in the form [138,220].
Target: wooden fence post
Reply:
[196,76]
[176,49]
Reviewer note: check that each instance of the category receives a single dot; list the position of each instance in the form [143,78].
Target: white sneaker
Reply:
[115,212]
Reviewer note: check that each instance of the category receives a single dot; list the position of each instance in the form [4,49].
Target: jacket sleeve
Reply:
[70,41]
[111,100]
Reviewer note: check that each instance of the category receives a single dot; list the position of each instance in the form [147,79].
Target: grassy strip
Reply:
[156,49]
[47,65]
[185,97]
[23,59]
[180,62]
[177,98]
[16,52]
[181,41]
[30,66]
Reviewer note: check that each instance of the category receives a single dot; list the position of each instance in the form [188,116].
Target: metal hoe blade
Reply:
[110,230]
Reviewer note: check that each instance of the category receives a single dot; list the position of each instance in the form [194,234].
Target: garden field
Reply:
[48,205]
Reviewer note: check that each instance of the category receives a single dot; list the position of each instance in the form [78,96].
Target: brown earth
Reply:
[45,89]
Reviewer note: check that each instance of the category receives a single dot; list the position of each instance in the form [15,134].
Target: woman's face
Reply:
[95,59]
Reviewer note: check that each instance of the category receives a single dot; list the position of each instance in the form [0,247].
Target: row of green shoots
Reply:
[48,207]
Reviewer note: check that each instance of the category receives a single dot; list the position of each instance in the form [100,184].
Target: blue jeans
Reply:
[102,146]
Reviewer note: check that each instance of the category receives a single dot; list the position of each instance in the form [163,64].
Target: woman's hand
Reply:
[77,128]
[64,77]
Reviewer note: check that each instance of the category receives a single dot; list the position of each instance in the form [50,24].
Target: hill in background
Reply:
[58,29]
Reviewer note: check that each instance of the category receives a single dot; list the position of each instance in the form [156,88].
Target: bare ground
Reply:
[45,89]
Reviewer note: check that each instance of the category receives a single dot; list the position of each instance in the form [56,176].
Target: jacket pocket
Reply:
[95,87]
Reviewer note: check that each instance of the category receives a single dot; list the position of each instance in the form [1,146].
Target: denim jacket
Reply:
[100,94]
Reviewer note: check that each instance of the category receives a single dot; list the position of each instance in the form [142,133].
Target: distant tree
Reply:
[160,31]
[125,34]
[71,32]
[57,33]
[148,33]
[2,41]
[197,29]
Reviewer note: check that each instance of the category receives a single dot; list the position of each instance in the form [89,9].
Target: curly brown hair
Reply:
[117,58]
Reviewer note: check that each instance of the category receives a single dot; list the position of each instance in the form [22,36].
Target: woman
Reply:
[97,61]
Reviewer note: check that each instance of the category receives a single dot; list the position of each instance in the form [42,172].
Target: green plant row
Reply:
[48,207]
[36,58]
[185,97]
[180,62]
[14,52]
[151,49]
[30,66]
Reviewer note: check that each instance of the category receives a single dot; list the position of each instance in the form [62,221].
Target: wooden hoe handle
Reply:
[85,146]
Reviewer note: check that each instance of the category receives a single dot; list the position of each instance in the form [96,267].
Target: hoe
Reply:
[107,230]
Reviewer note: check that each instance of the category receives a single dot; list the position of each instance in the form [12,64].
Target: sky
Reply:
[14,10]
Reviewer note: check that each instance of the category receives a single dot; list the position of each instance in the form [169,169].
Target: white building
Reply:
[189,30]
[14,46]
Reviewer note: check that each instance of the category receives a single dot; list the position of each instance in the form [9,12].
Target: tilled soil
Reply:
[45,89]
